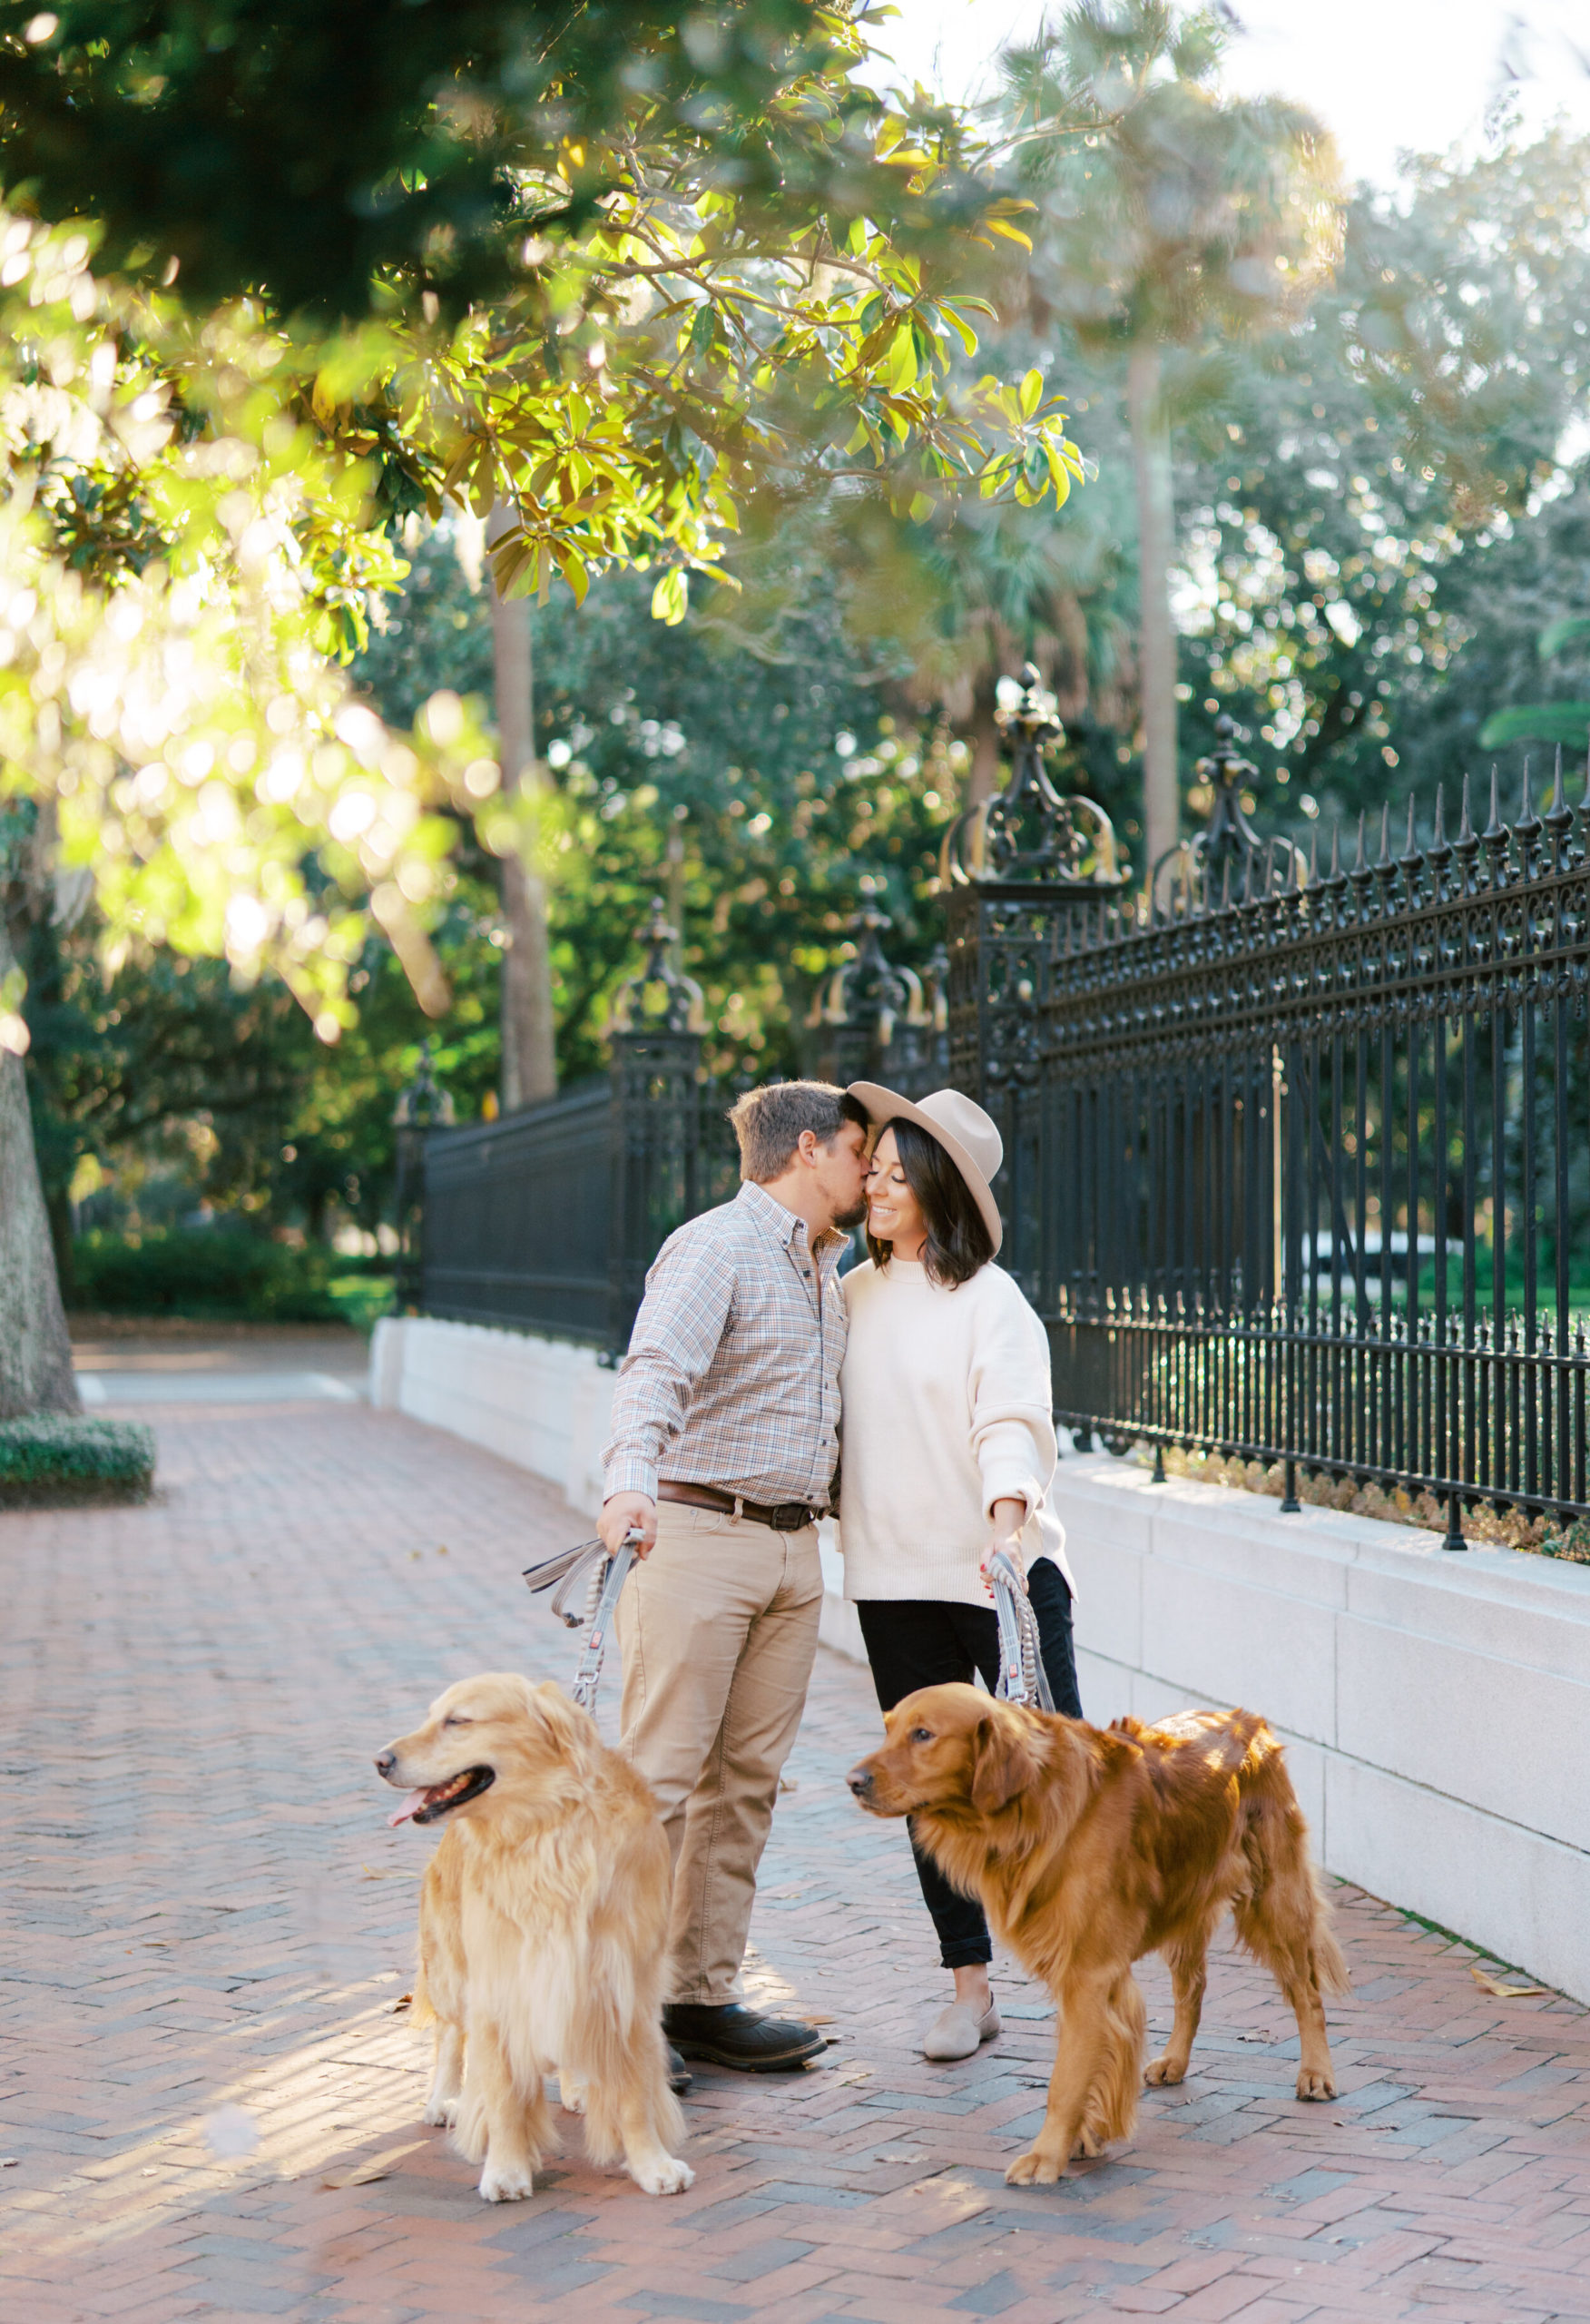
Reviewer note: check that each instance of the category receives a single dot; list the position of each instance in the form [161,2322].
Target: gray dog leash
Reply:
[605,1577]
[1022,1674]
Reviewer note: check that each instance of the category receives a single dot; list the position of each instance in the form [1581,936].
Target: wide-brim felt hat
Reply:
[966,1132]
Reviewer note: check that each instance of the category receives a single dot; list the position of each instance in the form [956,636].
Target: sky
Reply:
[1383,74]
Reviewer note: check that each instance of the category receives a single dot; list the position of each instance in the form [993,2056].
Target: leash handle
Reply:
[1022,1674]
[588,1675]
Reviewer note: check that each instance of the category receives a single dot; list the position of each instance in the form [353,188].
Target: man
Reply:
[724,1453]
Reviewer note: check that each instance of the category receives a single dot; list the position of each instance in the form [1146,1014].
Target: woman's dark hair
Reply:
[959,1242]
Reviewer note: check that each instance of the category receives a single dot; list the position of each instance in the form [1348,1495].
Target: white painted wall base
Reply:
[1437,1707]
[543,1404]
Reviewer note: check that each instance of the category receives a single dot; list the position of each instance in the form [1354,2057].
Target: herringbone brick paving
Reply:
[204,1911]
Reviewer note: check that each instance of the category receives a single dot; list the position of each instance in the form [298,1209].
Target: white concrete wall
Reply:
[543,1404]
[1436,1706]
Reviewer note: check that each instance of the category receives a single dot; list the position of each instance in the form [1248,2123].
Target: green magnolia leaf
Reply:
[671,597]
[1567,631]
[1549,722]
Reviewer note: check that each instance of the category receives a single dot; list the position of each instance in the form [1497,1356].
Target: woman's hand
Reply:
[1008,1519]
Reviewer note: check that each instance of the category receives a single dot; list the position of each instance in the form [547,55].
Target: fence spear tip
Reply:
[1496,829]
[1525,821]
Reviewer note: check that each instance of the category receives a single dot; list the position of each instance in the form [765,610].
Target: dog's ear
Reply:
[1003,1762]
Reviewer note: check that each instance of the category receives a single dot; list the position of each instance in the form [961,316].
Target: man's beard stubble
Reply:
[847,1219]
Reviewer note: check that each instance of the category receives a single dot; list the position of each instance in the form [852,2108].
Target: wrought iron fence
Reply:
[1297,1167]
[1297,1163]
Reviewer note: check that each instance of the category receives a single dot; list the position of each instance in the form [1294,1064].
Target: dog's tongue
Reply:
[416,1800]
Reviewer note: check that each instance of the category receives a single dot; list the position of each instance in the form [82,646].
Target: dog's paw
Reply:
[441,2113]
[1032,2168]
[1159,2071]
[506,2183]
[665,2176]
[1089,2142]
[1315,2082]
[571,2095]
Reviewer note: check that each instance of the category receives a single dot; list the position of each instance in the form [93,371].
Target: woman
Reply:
[949,1453]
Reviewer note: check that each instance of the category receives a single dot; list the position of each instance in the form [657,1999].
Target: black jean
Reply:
[915,1642]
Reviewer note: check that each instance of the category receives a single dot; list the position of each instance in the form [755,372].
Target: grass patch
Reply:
[55,1462]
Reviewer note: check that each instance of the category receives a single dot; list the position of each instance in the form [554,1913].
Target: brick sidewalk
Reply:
[203,1910]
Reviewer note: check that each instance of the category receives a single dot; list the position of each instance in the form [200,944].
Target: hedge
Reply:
[54,1462]
[227,1273]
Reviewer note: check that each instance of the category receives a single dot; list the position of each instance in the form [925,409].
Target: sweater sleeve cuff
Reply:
[1016,1485]
[631,1473]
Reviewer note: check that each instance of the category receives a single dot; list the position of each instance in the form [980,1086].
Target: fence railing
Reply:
[1300,1167]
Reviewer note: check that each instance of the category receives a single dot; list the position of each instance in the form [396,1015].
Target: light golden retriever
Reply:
[543,1933]
[1089,1848]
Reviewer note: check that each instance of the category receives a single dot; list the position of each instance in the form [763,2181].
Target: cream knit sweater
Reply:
[946,1409]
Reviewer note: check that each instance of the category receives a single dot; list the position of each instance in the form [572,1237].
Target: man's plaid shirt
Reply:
[733,1376]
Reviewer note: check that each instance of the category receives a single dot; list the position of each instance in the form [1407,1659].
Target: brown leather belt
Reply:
[784,1516]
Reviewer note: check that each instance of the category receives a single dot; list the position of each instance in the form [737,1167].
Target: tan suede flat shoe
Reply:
[958,2031]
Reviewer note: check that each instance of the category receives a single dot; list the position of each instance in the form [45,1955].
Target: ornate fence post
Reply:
[1027,874]
[421,1107]
[656,1119]
[872,1021]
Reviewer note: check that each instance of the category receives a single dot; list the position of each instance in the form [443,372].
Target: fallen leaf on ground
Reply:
[366,2173]
[402,1873]
[9,2162]
[815,2017]
[402,2001]
[787,1783]
[1499,1985]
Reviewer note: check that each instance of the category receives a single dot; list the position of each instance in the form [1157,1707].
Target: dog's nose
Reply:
[860,1781]
[385,1763]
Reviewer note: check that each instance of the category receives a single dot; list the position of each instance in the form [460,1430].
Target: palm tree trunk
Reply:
[529,1068]
[36,1354]
[1150,460]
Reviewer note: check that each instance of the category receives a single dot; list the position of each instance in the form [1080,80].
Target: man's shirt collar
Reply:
[786,1223]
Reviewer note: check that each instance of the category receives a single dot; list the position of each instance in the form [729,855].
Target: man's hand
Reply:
[629,1512]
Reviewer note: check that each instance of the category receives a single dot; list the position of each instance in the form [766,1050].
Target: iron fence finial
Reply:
[1029,832]
[681,1009]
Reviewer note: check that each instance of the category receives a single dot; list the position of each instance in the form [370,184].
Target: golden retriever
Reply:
[1091,1846]
[543,1933]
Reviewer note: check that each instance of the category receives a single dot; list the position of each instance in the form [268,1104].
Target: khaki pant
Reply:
[718,1629]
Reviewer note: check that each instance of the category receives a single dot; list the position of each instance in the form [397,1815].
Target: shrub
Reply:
[54,1461]
[227,1273]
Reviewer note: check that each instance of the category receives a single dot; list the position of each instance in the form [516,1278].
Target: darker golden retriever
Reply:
[543,1933]
[1091,1846]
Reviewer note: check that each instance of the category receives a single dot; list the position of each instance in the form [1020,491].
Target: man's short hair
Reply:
[768,1122]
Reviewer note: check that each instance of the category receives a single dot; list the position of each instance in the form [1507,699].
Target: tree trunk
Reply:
[529,1068]
[35,1355]
[1150,460]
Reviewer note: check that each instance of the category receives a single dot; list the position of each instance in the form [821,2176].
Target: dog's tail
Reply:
[1286,1912]
[422,2009]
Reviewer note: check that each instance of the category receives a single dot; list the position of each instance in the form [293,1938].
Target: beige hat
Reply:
[964,1131]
